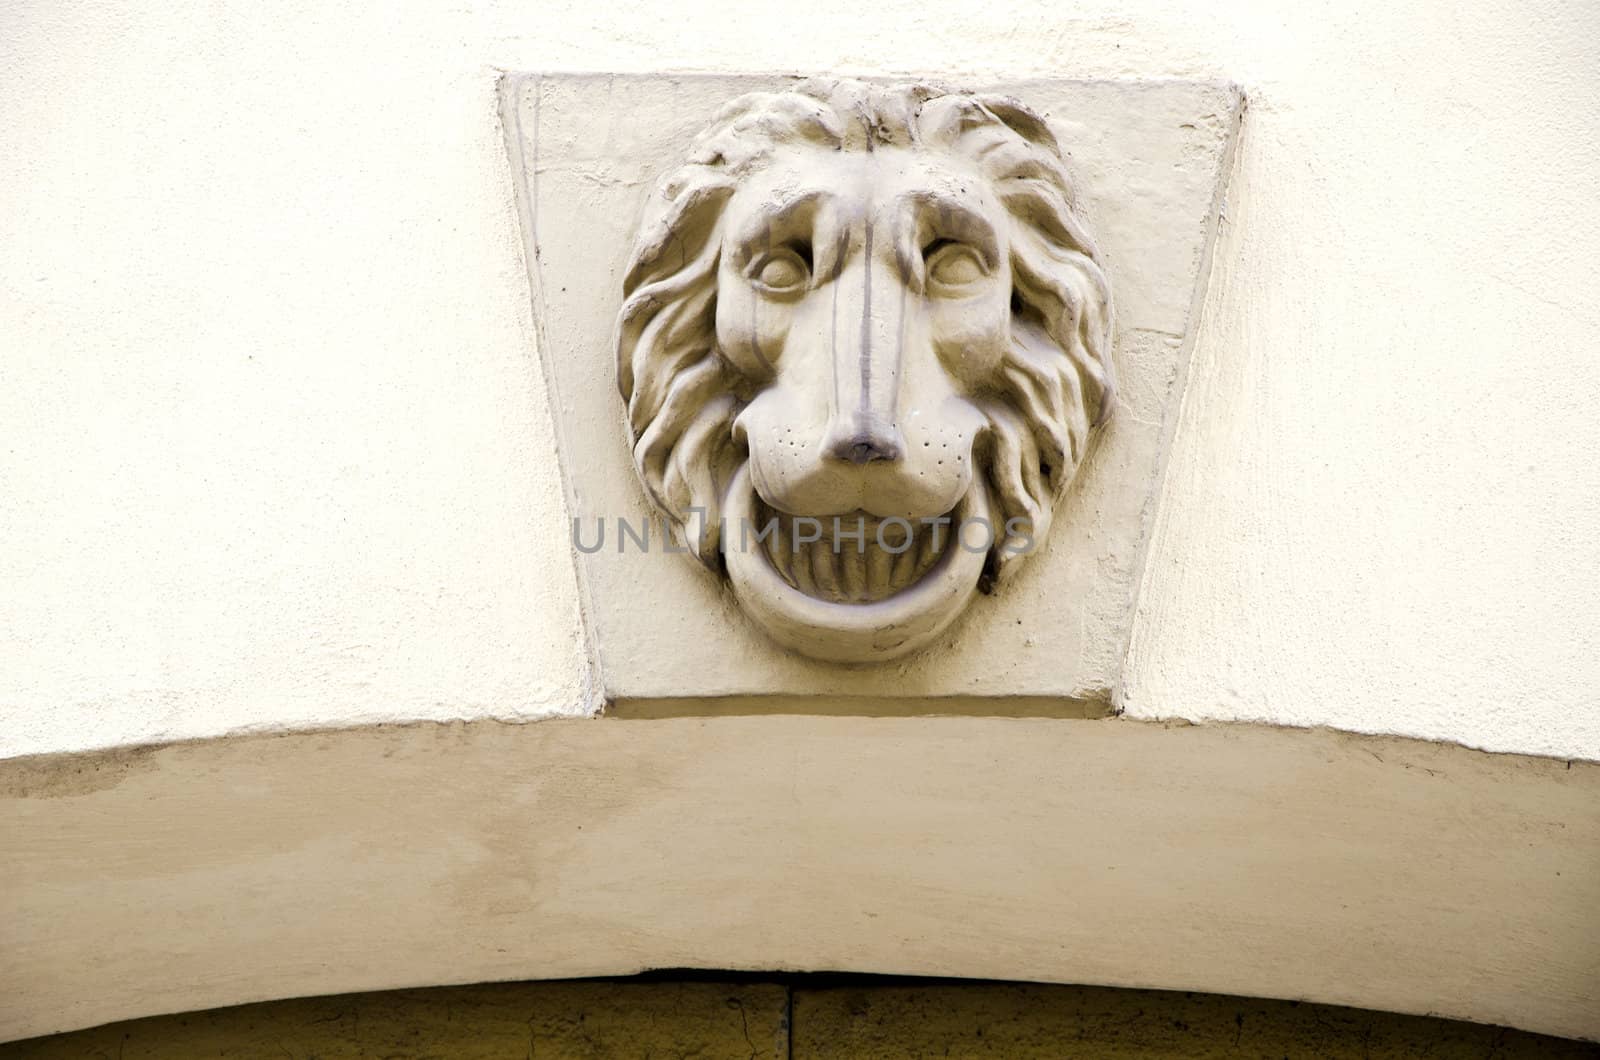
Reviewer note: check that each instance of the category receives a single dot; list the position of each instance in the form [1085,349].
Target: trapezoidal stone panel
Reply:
[863,388]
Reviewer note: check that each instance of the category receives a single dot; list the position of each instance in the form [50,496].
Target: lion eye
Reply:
[954,265]
[781,271]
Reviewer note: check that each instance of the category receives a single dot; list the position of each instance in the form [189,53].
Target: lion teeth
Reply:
[904,569]
[857,559]
[853,572]
[822,568]
[880,566]
[804,580]
[926,553]
[782,559]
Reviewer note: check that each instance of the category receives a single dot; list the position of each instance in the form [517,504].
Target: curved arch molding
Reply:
[1367,871]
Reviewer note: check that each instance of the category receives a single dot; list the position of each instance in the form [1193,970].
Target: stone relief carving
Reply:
[1149,162]
[864,344]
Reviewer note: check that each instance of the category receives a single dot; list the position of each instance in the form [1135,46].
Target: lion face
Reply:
[868,298]
[863,347]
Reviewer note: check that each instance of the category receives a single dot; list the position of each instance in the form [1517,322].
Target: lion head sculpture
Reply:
[864,343]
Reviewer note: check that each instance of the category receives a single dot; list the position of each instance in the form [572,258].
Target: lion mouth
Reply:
[855,558]
[875,611]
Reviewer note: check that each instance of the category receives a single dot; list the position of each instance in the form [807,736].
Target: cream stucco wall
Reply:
[275,453]
[274,449]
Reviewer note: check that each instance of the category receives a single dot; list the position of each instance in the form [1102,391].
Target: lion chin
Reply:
[864,345]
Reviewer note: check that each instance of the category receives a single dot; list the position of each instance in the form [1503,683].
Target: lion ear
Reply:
[679,223]
[1022,120]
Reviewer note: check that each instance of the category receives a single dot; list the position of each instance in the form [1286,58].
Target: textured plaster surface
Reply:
[274,452]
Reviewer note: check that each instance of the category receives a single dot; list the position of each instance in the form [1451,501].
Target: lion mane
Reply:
[1055,385]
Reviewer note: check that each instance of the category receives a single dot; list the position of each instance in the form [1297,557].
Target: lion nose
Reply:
[866,374]
[866,446]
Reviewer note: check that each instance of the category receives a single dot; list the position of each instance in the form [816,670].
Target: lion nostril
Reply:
[863,443]
[866,451]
